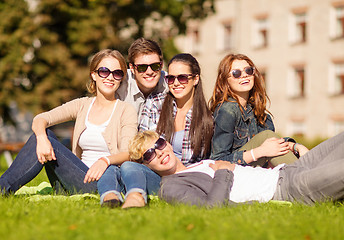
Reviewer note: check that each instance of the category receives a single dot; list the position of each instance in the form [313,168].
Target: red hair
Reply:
[222,91]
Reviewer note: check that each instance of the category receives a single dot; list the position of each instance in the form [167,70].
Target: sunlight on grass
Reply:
[60,219]
[30,217]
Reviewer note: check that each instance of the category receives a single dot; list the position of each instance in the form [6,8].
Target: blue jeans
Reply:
[137,177]
[110,182]
[66,173]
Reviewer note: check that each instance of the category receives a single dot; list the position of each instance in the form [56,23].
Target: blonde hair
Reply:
[137,146]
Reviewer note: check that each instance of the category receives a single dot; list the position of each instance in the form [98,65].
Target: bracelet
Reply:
[106,160]
[294,149]
[254,159]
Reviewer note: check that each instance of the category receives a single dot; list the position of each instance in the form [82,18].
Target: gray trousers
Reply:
[317,176]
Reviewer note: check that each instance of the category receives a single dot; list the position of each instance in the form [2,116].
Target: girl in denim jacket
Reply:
[244,131]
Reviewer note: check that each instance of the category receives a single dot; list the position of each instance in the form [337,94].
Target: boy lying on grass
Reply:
[317,176]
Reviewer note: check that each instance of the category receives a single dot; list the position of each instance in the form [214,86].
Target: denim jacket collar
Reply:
[247,113]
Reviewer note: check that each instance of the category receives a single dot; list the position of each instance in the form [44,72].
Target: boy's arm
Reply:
[189,188]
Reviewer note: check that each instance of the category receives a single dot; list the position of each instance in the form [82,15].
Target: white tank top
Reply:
[92,142]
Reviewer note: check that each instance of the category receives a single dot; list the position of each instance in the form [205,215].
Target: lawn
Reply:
[25,217]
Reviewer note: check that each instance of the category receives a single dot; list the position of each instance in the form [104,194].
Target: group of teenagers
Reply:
[146,131]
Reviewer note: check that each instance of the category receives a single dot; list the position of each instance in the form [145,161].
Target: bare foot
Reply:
[134,199]
[111,200]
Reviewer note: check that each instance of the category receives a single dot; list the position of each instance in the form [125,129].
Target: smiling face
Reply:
[107,86]
[182,91]
[165,162]
[242,85]
[146,81]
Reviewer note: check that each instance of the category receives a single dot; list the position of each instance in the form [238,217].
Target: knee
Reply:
[111,172]
[269,134]
[128,165]
[112,169]
[129,168]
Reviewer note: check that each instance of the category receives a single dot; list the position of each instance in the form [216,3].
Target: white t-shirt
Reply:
[92,142]
[254,184]
[202,166]
[250,184]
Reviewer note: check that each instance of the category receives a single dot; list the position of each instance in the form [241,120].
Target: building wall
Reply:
[238,26]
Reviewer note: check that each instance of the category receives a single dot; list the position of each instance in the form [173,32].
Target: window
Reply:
[298,28]
[193,39]
[338,127]
[337,21]
[336,124]
[296,82]
[263,73]
[225,36]
[296,128]
[261,32]
[336,84]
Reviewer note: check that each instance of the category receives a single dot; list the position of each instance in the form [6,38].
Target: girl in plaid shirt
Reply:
[181,116]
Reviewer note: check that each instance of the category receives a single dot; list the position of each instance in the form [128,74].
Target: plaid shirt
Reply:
[150,117]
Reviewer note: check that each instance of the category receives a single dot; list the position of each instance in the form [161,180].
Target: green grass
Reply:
[22,218]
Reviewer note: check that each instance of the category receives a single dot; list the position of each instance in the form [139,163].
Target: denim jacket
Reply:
[233,129]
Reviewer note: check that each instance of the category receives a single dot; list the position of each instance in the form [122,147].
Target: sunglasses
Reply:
[150,154]
[182,78]
[143,67]
[104,72]
[236,73]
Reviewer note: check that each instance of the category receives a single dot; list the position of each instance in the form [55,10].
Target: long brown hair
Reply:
[201,128]
[222,91]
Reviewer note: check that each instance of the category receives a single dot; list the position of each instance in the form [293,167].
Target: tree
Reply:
[45,48]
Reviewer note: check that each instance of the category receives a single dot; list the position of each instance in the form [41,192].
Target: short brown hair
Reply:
[137,145]
[143,46]
[97,58]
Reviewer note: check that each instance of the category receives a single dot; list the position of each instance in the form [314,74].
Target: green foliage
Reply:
[44,49]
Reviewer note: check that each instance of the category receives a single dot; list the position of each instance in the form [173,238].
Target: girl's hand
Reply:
[219,164]
[95,171]
[272,147]
[44,149]
[299,148]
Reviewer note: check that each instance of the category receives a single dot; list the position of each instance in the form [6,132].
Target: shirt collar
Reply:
[160,87]
[188,114]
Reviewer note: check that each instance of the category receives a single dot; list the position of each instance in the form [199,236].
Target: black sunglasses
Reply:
[104,72]
[182,78]
[150,154]
[143,67]
[236,73]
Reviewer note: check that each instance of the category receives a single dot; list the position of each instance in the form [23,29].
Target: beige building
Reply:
[298,45]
